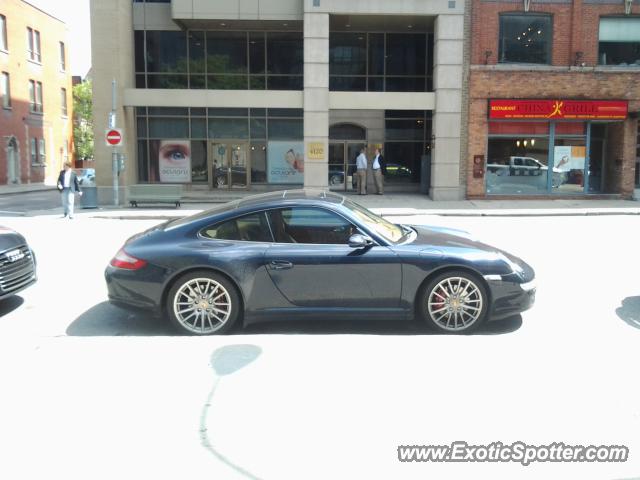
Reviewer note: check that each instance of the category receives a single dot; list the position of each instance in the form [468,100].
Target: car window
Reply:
[531,163]
[517,162]
[310,225]
[248,228]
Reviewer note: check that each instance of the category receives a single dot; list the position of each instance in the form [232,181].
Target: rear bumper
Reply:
[128,291]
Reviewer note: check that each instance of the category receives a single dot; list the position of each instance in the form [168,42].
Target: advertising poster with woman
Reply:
[285,162]
[174,161]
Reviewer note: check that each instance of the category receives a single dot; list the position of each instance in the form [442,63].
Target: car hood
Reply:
[446,238]
[10,239]
[448,241]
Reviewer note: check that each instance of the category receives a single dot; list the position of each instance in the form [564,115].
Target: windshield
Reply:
[382,227]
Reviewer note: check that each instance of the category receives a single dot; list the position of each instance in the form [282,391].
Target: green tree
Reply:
[83,120]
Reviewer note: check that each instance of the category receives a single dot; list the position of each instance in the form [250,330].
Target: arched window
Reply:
[347,131]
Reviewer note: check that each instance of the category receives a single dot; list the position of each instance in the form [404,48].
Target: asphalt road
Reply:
[92,391]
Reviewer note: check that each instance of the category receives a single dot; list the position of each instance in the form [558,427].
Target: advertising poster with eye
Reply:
[174,161]
[285,162]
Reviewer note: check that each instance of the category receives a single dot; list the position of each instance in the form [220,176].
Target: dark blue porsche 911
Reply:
[309,254]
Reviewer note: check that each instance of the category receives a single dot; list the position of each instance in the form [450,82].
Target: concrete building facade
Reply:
[265,94]
[554,97]
[35,95]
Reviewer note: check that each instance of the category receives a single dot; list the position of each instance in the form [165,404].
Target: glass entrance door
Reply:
[229,162]
[342,164]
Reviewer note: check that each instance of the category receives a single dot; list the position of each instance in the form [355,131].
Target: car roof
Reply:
[297,194]
[266,200]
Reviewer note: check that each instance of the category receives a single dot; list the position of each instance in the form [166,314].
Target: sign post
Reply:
[114,138]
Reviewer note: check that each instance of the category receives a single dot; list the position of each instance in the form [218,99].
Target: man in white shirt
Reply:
[379,169]
[361,173]
[68,187]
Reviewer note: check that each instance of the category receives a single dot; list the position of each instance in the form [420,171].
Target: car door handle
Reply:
[280,265]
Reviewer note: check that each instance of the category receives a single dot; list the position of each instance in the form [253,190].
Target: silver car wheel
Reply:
[455,303]
[202,305]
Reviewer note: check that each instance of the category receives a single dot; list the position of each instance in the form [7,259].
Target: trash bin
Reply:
[87,182]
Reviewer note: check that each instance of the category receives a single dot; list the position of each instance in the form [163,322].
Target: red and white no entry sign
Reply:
[113,137]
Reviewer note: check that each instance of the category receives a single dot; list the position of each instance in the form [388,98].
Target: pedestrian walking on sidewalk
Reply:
[361,172]
[68,187]
[379,171]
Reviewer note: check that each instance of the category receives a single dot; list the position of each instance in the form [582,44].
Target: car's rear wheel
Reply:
[203,303]
[454,302]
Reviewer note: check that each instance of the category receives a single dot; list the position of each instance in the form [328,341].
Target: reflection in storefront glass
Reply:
[518,165]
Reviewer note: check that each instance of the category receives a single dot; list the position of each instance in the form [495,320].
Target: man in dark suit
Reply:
[68,187]
[379,170]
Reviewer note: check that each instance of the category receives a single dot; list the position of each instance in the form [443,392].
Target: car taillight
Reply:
[126,261]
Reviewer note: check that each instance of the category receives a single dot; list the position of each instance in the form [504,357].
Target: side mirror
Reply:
[359,241]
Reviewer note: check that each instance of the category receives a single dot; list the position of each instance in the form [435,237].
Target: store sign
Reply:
[315,150]
[558,109]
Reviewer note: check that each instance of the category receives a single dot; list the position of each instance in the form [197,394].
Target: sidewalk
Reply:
[390,205]
[12,189]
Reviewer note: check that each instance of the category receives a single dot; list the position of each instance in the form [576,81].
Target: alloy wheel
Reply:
[455,303]
[202,305]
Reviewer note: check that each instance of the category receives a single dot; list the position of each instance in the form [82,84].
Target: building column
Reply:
[447,118]
[112,44]
[316,100]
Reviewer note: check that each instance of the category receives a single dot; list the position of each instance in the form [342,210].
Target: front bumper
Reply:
[510,297]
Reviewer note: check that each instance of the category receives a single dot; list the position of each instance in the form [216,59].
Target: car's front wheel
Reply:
[454,302]
[203,303]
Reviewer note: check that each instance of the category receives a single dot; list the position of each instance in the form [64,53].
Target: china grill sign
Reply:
[558,109]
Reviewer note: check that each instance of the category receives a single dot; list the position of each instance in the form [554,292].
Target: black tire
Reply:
[209,319]
[451,298]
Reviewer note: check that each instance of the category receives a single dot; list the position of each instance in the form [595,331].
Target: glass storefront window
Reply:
[258,155]
[404,129]
[169,127]
[403,161]
[285,129]
[569,157]
[198,128]
[199,172]
[228,128]
[517,165]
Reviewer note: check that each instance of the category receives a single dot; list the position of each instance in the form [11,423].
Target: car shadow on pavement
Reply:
[108,320]
[105,319]
[10,304]
[368,327]
[629,311]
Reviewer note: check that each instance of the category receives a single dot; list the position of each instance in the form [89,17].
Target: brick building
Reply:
[35,94]
[554,96]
